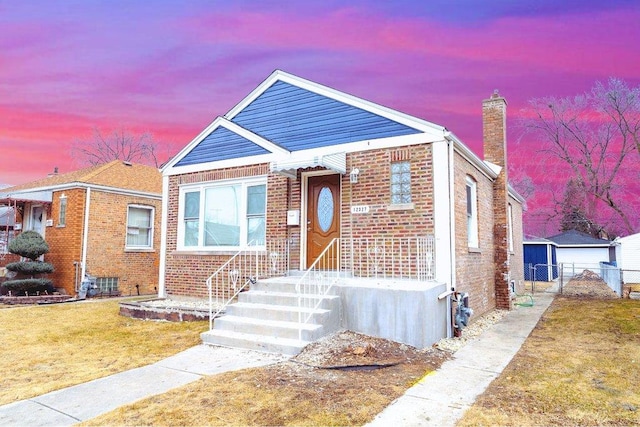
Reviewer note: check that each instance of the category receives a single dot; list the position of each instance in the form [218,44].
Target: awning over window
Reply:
[27,196]
[290,165]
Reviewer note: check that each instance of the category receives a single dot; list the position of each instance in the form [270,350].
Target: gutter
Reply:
[85,234]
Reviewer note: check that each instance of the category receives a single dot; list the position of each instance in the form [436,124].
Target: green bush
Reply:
[29,244]
[30,267]
[28,286]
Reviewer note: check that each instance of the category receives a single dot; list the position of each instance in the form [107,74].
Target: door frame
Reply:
[304,194]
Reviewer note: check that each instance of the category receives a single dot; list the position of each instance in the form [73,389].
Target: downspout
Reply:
[85,234]
[162,293]
[452,229]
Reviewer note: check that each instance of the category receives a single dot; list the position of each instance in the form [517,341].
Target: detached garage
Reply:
[582,251]
[540,261]
[628,257]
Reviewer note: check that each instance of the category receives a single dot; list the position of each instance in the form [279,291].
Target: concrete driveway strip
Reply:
[442,397]
[85,401]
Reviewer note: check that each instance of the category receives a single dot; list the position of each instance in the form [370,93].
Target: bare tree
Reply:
[119,144]
[594,136]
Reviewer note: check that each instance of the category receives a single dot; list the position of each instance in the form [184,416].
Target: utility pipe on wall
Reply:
[85,234]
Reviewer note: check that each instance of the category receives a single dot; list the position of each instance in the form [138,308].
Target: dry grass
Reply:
[46,348]
[280,395]
[580,366]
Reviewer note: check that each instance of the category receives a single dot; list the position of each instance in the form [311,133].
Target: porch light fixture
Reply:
[353,176]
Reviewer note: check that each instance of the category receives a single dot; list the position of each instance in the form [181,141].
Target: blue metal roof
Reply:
[298,119]
[221,144]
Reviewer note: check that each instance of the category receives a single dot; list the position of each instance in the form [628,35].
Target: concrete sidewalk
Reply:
[439,399]
[442,397]
[85,401]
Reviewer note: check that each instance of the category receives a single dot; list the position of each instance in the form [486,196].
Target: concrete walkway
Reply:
[439,399]
[85,401]
[442,397]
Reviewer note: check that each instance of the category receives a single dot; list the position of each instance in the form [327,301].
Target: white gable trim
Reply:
[278,75]
[223,122]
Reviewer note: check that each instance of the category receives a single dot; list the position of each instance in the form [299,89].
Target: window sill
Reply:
[474,250]
[139,250]
[60,226]
[217,251]
[401,207]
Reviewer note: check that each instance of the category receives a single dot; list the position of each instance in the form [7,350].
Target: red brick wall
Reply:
[186,272]
[65,242]
[474,266]
[106,254]
[495,151]
[373,190]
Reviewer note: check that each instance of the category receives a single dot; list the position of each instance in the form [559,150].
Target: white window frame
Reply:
[244,183]
[152,213]
[471,211]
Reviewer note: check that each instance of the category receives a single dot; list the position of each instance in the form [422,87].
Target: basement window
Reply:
[107,284]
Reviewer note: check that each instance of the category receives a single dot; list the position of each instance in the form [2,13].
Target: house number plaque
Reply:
[360,209]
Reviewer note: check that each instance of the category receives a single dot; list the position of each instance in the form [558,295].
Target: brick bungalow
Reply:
[101,221]
[309,180]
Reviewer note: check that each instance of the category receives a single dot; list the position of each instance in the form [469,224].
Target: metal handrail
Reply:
[244,268]
[318,280]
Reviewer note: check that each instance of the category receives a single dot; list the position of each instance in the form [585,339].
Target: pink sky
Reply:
[171,67]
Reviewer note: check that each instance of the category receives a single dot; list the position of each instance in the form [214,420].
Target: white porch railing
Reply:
[317,281]
[381,257]
[242,269]
[390,258]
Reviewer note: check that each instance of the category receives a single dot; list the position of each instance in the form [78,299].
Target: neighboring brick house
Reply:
[102,221]
[299,162]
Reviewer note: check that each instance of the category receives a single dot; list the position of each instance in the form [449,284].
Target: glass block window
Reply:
[107,284]
[62,212]
[400,182]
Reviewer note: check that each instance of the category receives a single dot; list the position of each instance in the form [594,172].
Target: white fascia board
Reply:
[187,148]
[469,155]
[374,144]
[514,193]
[220,122]
[495,168]
[221,164]
[278,75]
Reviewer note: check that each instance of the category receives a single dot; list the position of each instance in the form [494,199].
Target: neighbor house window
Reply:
[140,227]
[472,212]
[62,212]
[400,183]
[107,284]
[225,215]
[510,226]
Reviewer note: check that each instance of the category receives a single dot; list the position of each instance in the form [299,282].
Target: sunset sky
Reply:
[171,67]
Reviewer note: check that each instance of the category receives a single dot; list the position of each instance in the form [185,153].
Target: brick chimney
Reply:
[494,132]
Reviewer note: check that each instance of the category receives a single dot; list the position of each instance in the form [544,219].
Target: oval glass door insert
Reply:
[325,209]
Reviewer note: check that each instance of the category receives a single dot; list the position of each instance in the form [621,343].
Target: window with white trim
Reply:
[472,212]
[139,227]
[400,182]
[227,215]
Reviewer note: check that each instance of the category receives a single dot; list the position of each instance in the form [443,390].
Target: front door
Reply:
[323,214]
[37,219]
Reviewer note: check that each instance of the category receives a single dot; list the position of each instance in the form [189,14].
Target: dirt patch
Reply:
[588,285]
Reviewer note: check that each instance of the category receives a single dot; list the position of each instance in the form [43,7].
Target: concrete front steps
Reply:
[267,318]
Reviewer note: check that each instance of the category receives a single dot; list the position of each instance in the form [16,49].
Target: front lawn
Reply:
[579,366]
[49,347]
